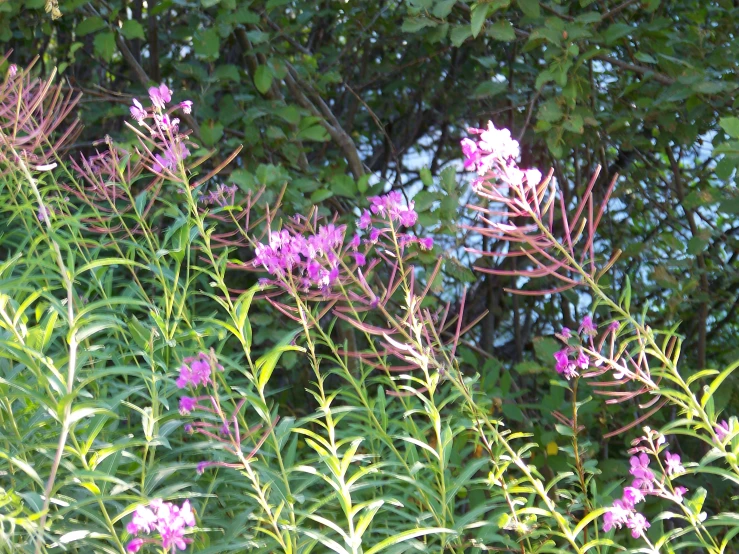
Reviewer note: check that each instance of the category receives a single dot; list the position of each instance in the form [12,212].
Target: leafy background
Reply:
[336,101]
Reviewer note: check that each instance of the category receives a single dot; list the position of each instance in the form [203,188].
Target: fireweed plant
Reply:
[139,404]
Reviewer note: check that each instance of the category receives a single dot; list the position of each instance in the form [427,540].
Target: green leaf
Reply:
[730,125]
[502,30]
[317,133]
[89,25]
[104,45]
[207,44]
[266,364]
[530,7]
[257,37]
[320,195]
[616,31]
[443,8]
[415,24]
[263,79]
[488,89]
[211,132]
[426,177]
[697,244]
[460,34]
[132,29]
[479,14]
[645,58]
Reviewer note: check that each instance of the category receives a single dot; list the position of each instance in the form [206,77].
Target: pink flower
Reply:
[194,371]
[471,153]
[564,366]
[722,430]
[359,258]
[426,243]
[137,111]
[186,106]
[587,327]
[583,360]
[201,467]
[638,524]
[498,142]
[365,220]
[566,333]
[187,404]
[679,492]
[533,176]
[614,326]
[160,96]
[12,70]
[644,478]
[632,496]
[135,545]
[672,461]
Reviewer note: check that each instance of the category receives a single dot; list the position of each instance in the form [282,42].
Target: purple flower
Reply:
[471,153]
[160,96]
[359,258]
[135,545]
[722,430]
[194,371]
[644,478]
[186,106]
[616,516]
[374,234]
[679,492]
[614,326]
[564,366]
[187,404]
[12,70]
[587,327]
[672,461]
[137,111]
[566,333]
[638,524]
[583,360]
[201,467]
[632,496]
[189,429]
[426,243]
[43,214]
[365,220]
[143,520]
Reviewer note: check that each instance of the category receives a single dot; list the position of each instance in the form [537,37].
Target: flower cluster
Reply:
[391,208]
[645,483]
[168,520]
[573,357]
[493,156]
[222,195]
[169,145]
[196,370]
[313,257]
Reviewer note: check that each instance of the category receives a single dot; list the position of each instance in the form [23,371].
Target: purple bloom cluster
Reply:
[567,366]
[222,195]
[645,483]
[168,520]
[315,257]
[196,370]
[571,358]
[393,206]
[723,429]
[164,130]
[496,151]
